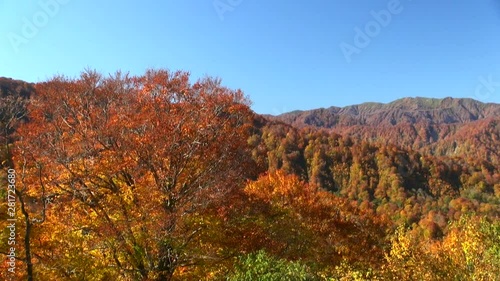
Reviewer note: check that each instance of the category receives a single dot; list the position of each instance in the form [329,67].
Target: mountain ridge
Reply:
[406,110]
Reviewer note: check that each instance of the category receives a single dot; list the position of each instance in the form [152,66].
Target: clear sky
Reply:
[284,54]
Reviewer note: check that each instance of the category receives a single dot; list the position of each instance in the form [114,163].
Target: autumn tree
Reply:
[124,160]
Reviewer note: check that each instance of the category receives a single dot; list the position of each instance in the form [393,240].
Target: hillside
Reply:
[403,111]
[435,126]
[13,97]
[9,86]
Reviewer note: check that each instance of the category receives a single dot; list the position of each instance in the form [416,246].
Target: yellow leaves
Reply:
[401,246]
[346,272]
[409,259]
[467,252]
[472,244]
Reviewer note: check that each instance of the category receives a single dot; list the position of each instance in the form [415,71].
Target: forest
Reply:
[157,177]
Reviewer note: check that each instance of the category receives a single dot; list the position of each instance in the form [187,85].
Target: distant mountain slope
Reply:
[406,111]
[449,126]
[13,97]
[9,87]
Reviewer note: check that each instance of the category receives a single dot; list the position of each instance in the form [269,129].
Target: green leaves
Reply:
[260,266]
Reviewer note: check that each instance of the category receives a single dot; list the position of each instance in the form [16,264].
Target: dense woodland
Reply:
[156,177]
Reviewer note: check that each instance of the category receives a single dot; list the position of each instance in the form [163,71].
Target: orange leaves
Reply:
[131,157]
[332,229]
[281,188]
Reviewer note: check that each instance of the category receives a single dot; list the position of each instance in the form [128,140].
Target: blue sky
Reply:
[284,55]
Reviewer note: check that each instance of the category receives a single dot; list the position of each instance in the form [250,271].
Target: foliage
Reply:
[261,266]
[469,251]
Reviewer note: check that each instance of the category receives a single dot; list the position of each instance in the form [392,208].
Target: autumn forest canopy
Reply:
[157,177]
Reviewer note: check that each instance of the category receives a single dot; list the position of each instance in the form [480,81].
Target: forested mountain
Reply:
[403,111]
[154,178]
[449,126]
